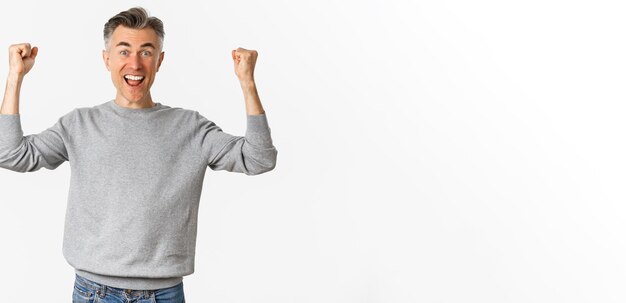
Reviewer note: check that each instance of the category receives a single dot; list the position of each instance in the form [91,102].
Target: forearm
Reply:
[10,103]
[251,96]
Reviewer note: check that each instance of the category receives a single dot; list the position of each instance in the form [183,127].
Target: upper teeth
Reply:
[131,77]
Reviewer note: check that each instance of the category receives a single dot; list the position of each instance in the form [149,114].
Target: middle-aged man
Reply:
[137,166]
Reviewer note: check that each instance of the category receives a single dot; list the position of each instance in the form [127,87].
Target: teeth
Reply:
[131,77]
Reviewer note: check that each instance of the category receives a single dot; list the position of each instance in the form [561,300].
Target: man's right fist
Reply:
[21,58]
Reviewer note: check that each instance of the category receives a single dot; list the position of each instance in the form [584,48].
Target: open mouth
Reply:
[133,80]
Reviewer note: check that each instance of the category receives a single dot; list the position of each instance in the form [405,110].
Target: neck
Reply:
[145,102]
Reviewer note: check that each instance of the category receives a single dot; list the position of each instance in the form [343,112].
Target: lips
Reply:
[134,80]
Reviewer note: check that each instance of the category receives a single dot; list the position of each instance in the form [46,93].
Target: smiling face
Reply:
[133,56]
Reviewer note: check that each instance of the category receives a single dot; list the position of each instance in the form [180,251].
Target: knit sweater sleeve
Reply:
[251,154]
[31,152]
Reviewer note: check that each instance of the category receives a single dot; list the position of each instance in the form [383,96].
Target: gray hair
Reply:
[135,18]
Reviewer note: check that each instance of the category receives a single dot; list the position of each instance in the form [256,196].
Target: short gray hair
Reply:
[135,18]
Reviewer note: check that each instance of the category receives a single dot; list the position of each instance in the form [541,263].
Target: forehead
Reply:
[134,37]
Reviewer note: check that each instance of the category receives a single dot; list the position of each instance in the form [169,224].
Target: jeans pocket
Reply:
[174,294]
[82,294]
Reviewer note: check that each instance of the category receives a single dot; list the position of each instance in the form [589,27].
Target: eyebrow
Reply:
[147,44]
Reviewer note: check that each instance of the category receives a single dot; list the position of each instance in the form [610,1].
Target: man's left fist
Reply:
[244,61]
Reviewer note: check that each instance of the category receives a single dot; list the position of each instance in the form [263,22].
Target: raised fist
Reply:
[21,58]
[244,61]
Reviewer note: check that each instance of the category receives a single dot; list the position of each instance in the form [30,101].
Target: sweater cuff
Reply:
[258,131]
[10,130]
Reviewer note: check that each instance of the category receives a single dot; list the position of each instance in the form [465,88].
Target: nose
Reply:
[134,62]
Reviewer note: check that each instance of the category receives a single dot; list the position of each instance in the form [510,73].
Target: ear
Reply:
[161,56]
[105,58]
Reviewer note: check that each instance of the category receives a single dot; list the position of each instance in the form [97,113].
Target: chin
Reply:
[134,98]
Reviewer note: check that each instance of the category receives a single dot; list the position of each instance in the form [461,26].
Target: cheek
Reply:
[113,67]
[153,64]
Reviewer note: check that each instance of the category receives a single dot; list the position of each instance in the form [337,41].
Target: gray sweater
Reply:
[136,180]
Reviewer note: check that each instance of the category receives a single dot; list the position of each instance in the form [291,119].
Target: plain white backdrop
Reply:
[429,151]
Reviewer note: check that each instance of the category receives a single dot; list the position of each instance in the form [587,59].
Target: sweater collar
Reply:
[133,111]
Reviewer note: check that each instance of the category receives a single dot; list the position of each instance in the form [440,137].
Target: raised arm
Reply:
[253,153]
[21,60]
[28,153]
[244,61]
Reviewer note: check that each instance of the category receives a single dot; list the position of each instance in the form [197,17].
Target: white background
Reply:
[429,151]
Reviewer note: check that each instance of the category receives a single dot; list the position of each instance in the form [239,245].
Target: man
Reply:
[137,166]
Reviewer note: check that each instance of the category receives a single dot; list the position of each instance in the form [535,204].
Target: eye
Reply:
[146,53]
[124,52]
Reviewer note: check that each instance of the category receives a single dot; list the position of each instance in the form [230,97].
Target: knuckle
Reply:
[19,46]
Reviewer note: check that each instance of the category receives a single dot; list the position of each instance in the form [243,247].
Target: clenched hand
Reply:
[244,61]
[21,58]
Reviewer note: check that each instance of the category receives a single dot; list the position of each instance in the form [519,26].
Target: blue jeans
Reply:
[87,291]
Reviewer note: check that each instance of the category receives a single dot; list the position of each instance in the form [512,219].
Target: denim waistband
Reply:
[130,282]
[101,289]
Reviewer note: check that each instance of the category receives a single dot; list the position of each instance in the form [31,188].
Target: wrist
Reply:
[15,78]
[247,82]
